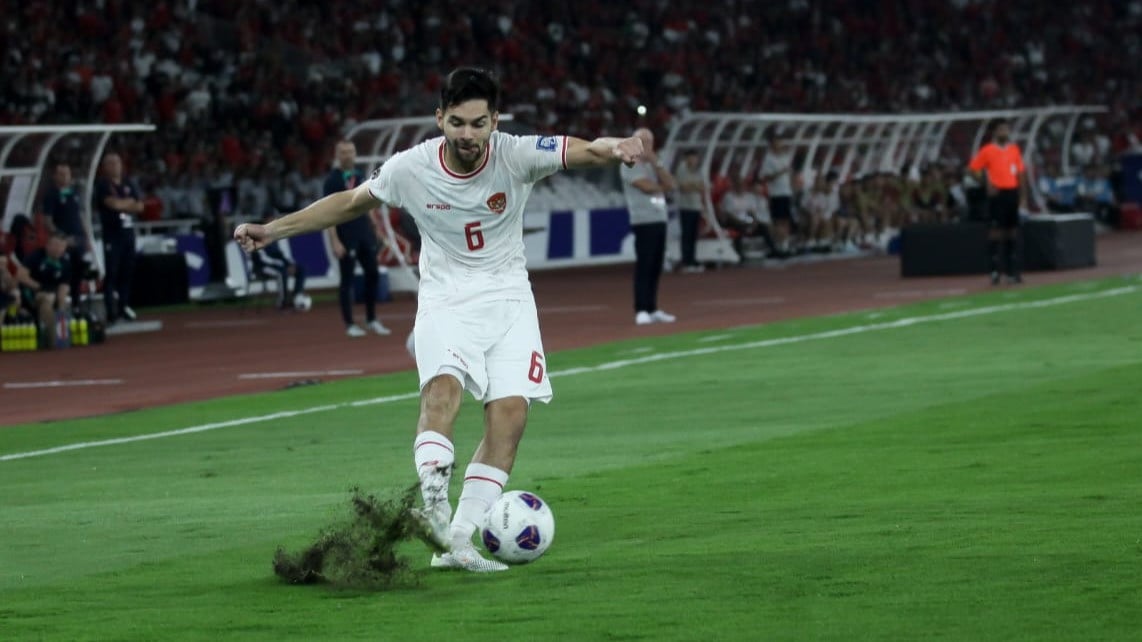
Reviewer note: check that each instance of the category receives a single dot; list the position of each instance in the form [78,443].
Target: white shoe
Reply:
[658,316]
[355,331]
[468,559]
[302,302]
[129,314]
[643,318]
[435,522]
[694,269]
[379,328]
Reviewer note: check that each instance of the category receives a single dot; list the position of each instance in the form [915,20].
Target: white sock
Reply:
[483,485]
[433,455]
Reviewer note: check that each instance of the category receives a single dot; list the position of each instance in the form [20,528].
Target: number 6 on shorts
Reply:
[535,372]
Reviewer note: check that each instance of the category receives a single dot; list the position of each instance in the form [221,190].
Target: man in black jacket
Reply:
[61,208]
[50,268]
[118,202]
[354,243]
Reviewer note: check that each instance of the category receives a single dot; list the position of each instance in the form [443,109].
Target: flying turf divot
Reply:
[359,553]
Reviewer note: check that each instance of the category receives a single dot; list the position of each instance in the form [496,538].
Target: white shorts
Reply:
[494,345]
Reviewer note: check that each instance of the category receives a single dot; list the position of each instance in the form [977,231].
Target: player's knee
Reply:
[440,400]
[505,420]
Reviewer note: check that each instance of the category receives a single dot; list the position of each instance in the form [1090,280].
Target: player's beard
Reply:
[467,153]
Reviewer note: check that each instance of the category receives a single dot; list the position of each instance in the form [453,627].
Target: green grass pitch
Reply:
[972,474]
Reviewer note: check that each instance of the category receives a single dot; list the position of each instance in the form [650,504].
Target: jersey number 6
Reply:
[535,372]
[474,236]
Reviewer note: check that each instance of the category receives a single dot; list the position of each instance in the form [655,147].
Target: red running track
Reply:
[204,353]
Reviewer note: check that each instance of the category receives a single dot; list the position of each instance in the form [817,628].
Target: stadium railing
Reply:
[858,144]
[25,152]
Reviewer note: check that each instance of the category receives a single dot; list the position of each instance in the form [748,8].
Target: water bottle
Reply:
[4,338]
[82,324]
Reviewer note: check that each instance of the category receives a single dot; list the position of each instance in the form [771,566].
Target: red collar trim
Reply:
[444,166]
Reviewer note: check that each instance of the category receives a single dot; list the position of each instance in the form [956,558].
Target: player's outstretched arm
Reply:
[602,152]
[326,212]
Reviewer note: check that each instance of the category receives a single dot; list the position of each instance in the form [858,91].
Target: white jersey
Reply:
[471,225]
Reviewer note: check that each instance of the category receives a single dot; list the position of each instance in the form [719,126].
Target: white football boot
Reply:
[436,516]
[436,522]
[467,558]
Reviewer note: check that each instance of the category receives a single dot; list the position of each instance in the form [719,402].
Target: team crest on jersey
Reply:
[498,202]
[546,144]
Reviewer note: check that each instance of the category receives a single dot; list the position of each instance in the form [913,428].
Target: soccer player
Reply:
[476,324]
[1006,194]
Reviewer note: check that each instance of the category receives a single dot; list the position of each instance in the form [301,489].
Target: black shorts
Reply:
[1003,208]
[781,208]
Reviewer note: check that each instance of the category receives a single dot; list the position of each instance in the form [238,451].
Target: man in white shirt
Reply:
[645,185]
[777,174]
[743,210]
[691,202]
[476,325]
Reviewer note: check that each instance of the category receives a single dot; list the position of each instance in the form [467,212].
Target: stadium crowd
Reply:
[253,94]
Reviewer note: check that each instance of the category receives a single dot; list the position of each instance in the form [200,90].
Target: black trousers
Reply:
[280,271]
[689,220]
[649,252]
[78,269]
[119,264]
[363,253]
[1003,209]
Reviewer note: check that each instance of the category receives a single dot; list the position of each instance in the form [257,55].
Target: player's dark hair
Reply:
[470,83]
[997,123]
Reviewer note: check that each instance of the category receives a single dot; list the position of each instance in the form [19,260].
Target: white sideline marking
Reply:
[303,373]
[765,300]
[24,385]
[715,337]
[612,365]
[912,294]
[170,433]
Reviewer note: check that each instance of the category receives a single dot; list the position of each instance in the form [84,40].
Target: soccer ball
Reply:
[518,528]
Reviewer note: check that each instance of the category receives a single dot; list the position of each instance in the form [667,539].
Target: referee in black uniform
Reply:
[354,242]
[61,208]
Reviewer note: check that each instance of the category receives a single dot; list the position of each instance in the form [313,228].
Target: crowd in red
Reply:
[262,89]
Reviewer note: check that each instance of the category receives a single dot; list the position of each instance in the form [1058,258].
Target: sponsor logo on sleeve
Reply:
[546,144]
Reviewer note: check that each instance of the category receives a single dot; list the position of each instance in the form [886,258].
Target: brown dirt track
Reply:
[201,353]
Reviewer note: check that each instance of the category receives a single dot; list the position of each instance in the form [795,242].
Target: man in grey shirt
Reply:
[645,186]
[691,190]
